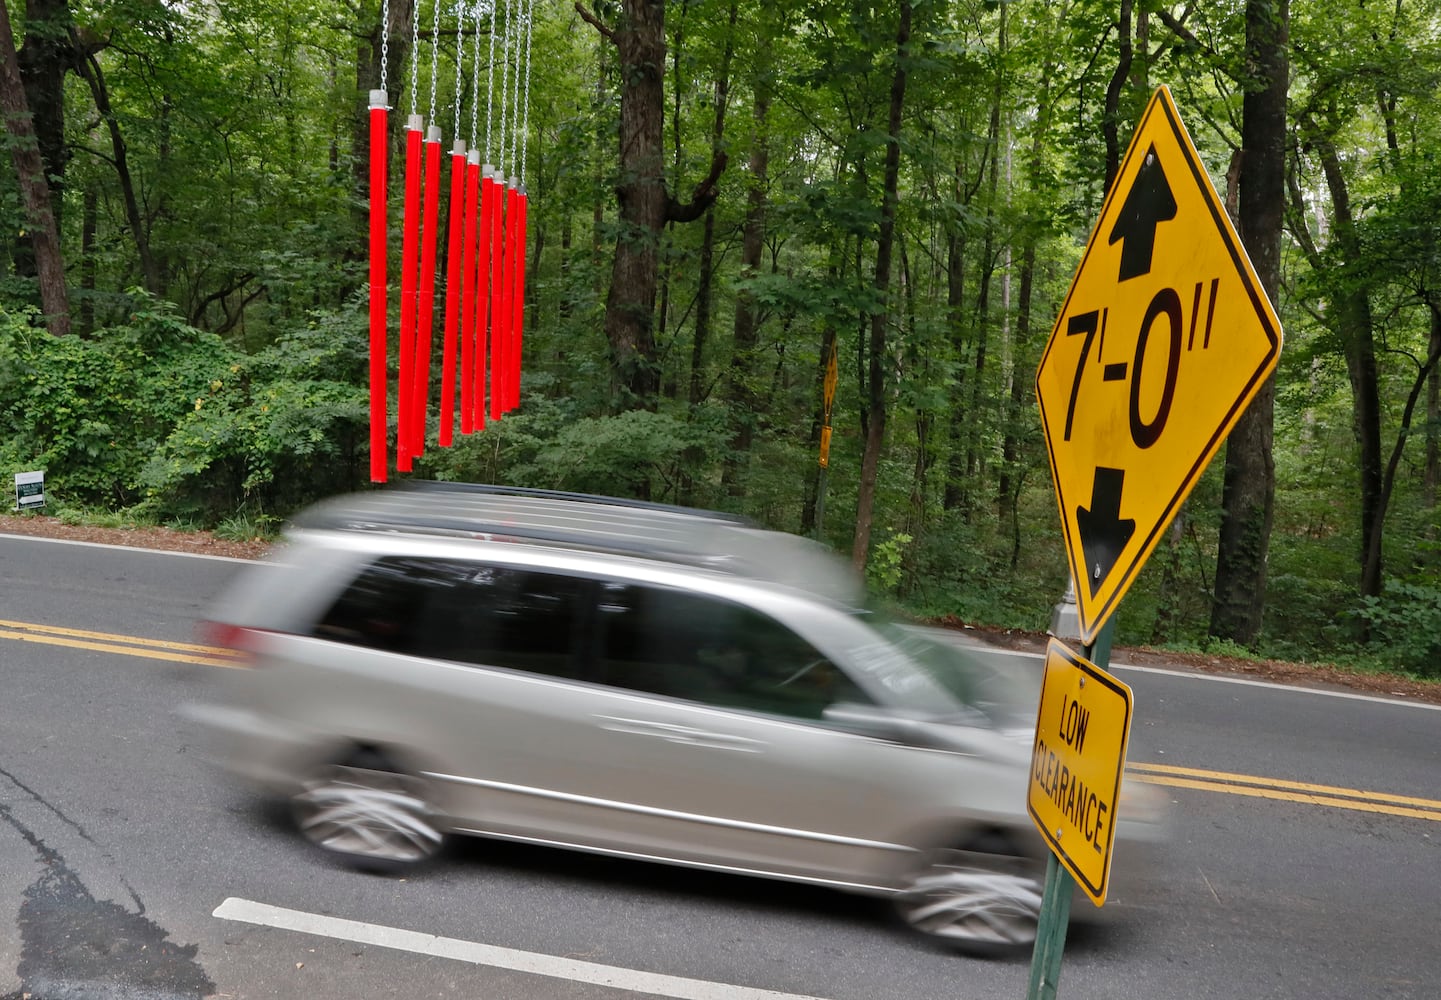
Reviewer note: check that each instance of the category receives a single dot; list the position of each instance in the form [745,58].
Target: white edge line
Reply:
[247,911]
[129,548]
[1197,675]
[1349,696]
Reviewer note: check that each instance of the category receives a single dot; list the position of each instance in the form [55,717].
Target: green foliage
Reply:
[883,569]
[270,430]
[90,412]
[158,415]
[1406,622]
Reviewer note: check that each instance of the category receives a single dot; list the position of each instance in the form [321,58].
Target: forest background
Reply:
[721,193]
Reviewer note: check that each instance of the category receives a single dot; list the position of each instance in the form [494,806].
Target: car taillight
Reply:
[236,640]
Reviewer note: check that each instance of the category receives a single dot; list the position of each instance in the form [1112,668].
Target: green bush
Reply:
[1405,626]
[174,423]
[268,432]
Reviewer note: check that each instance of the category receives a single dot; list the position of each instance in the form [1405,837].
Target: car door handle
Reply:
[687,735]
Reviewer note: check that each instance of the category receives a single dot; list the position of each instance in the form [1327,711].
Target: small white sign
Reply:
[29,490]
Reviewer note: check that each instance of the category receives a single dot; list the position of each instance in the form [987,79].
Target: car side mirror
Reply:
[873,721]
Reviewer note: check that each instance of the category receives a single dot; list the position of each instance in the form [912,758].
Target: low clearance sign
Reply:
[1082,729]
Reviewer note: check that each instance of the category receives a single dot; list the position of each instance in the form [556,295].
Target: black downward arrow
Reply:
[1148,204]
[1104,533]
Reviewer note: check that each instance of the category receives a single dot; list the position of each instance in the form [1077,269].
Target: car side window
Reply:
[670,642]
[381,607]
[461,611]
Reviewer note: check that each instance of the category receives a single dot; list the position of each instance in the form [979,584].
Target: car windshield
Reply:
[934,677]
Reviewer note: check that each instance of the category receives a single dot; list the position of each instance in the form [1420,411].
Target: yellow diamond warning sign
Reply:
[1082,729]
[1163,340]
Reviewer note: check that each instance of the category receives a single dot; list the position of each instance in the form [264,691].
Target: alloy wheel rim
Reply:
[974,898]
[376,815]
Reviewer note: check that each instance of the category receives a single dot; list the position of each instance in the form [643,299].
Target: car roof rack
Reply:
[495,489]
[686,535]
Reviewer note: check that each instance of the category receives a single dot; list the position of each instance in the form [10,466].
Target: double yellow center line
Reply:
[1154,774]
[129,645]
[1286,791]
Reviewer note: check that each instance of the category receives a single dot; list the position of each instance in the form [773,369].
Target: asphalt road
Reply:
[1304,861]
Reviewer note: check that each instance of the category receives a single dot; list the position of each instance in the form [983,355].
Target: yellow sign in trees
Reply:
[1164,338]
[1082,729]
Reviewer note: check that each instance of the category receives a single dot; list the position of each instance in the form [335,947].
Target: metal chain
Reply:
[474,75]
[525,116]
[414,59]
[459,61]
[384,41]
[513,32]
[490,85]
[434,55]
[504,88]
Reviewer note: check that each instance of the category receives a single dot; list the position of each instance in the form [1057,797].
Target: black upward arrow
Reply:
[1104,533]
[1148,204]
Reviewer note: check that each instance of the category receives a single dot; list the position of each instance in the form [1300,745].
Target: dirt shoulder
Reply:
[1275,671]
[166,539]
[1321,676]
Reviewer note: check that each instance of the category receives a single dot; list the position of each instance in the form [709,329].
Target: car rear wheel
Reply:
[368,812]
[984,899]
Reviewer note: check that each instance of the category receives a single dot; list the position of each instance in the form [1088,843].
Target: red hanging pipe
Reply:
[452,294]
[482,294]
[503,312]
[512,270]
[467,295]
[378,408]
[425,320]
[518,323]
[497,262]
[409,254]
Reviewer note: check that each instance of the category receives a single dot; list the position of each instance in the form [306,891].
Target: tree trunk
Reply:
[630,303]
[705,287]
[1432,477]
[44,60]
[705,279]
[1111,118]
[34,188]
[954,494]
[1373,540]
[1012,447]
[645,205]
[1248,495]
[740,390]
[876,431]
[139,230]
[89,228]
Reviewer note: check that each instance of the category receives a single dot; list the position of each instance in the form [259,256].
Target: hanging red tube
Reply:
[409,264]
[482,294]
[512,270]
[425,319]
[518,323]
[467,295]
[452,294]
[502,318]
[497,265]
[378,407]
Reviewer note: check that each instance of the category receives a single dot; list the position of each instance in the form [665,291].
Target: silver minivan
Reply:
[631,679]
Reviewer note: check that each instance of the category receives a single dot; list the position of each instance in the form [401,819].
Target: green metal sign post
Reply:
[1060,887]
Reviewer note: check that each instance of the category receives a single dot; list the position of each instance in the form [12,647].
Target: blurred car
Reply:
[637,680]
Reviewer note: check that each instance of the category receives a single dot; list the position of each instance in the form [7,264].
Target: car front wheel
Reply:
[984,899]
[369,813]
